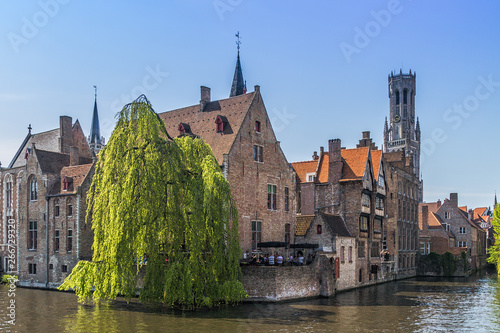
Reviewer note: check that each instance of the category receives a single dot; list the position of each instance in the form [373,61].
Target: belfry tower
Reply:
[403,129]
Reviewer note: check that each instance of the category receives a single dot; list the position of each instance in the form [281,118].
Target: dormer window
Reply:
[67,183]
[184,129]
[257,126]
[220,123]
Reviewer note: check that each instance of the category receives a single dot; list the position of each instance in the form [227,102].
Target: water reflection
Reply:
[416,305]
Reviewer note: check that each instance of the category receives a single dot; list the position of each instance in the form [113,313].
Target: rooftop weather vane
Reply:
[238,41]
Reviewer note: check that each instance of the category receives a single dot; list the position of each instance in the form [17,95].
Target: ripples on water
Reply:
[415,305]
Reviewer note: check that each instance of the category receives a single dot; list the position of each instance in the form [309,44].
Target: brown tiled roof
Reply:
[303,168]
[464,208]
[435,222]
[77,174]
[234,109]
[433,206]
[51,162]
[303,223]
[337,225]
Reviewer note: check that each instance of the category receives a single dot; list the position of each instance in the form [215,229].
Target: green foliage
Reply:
[6,278]
[494,250]
[449,263]
[165,224]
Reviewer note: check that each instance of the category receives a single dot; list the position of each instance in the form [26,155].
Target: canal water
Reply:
[414,305]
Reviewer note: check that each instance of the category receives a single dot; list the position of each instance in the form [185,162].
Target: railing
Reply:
[397,143]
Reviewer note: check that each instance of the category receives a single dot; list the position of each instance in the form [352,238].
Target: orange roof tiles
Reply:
[77,173]
[376,159]
[303,168]
[355,163]
[303,223]
[480,210]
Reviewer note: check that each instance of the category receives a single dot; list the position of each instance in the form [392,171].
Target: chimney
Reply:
[65,134]
[425,217]
[471,214]
[315,156]
[366,134]
[438,203]
[454,199]
[205,97]
[256,88]
[74,156]
[335,161]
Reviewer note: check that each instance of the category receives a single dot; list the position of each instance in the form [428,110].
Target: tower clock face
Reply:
[397,118]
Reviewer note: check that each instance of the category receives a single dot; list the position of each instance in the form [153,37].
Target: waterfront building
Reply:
[469,236]
[243,141]
[349,183]
[43,190]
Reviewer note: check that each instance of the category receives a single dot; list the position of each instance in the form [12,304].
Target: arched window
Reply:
[56,207]
[405,96]
[397,97]
[33,189]
[69,207]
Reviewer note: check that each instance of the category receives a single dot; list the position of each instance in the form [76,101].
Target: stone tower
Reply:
[402,132]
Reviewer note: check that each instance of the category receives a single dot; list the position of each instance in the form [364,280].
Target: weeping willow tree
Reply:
[165,224]
[494,250]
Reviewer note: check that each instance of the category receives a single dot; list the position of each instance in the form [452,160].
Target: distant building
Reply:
[468,236]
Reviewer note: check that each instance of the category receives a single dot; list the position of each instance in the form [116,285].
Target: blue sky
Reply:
[322,67]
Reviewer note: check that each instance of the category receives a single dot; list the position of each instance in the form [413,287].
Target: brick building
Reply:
[433,236]
[242,139]
[349,183]
[330,233]
[469,236]
[43,197]
[402,212]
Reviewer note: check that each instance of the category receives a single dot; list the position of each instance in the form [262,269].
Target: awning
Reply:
[304,246]
[272,244]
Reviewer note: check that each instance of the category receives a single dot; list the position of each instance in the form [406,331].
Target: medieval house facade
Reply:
[242,139]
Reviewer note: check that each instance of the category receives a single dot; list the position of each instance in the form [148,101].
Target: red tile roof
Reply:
[355,163]
[234,109]
[376,160]
[303,168]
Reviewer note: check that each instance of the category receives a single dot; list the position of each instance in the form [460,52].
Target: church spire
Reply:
[95,140]
[238,86]
[95,133]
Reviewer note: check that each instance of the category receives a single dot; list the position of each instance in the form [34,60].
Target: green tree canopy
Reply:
[165,224]
[494,250]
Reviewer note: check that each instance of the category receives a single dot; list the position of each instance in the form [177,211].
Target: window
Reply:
[310,176]
[219,123]
[56,207]
[379,203]
[349,254]
[51,266]
[363,223]
[365,200]
[422,248]
[33,190]
[64,268]
[397,97]
[447,215]
[377,226]
[381,182]
[319,229]
[462,230]
[271,197]
[56,241]
[462,243]
[361,249]
[287,233]
[32,235]
[70,210]
[446,226]
[287,199]
[405,96]
[258,153]
[375,250]
[342,259]
[69,244]
[257,126]
[32,268]
[256,233]
[8,193]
